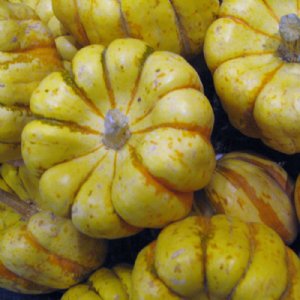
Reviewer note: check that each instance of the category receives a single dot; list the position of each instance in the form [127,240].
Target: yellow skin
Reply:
[104,284]
[177,26]
[148,182]
[65,44]
[43,252]
[254,189]
[218,258]
[26,47]
[258,90]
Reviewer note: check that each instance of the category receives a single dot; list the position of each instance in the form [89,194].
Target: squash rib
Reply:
[184,41]
[149,111]
[107,80]
[243,22]
[264,210]
[272,12]
[252,250]
[79,24]
[101,159]
[68,80]
[147,53]
[123,19]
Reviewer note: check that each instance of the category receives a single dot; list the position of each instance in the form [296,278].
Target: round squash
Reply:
[124,143]
[177,26]
[65,43]
[253,51]
[43,9]
[218,258]
[40,252]
[254,189]
[104,284]
[27,55]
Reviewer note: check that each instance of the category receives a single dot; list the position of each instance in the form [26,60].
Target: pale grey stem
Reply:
[289,29]
[116,130]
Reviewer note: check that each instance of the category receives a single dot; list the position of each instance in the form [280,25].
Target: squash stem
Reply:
[289,29]
[116,130]
[25,209]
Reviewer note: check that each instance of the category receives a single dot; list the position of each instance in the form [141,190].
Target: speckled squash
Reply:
[218,258]
[104,284]
[173,25]
[27,55]
[65,43]
[124,143]
[254,189]
[40,252]
[253,51]
[297,196]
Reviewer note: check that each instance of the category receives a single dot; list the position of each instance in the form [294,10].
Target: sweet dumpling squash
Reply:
[39,252]
[177,26]
[124,142]
[27,55]
[218,258]
[253,50]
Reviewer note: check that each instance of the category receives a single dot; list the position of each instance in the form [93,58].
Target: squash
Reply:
[124,143]
[104,284]
[43,9]
[40,252]
[254,189]
[218,258]
[177,26]
[26,48]
[253,52]
[65,43]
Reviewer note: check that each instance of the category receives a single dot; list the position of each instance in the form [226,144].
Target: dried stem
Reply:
[25,209]
[116,131]
[289,29]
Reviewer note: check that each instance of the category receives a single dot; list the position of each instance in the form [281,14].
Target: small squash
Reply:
[177,26]
[27,55]
[104,284]
[124,143]
[253,50]
[40,252]
[254,189]
[65,43]
[217,258]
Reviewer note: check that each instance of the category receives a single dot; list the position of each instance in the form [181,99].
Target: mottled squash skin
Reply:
[27,55]
[40,252]
[65,43]
[177,26]
[113,189]
[254,189]
[257,87]
[219,258]
[104,284]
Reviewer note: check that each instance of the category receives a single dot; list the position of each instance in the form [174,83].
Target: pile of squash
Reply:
[117,179]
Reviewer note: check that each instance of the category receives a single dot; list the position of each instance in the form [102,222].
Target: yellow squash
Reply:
[254,189]
[218,258]
[122,144]
[173,25]
[104,284]
[253,50]
[39,252]
[65,43]
[27,55]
